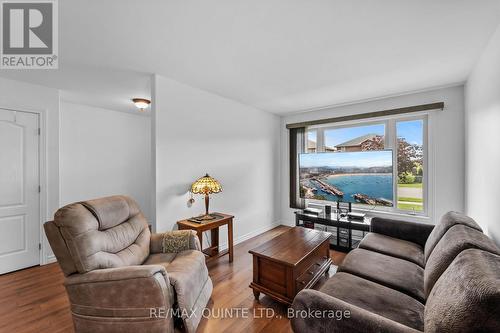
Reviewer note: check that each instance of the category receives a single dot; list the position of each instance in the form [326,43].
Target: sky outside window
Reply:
[411,131]
[311,135]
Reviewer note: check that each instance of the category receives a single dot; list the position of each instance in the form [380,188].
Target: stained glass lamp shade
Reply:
[206,185]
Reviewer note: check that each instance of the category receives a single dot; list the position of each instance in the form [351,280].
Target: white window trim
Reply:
[390,142]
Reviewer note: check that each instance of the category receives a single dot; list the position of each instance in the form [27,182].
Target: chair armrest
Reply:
[416,232]
[156,243]
[117,274]
[130,291]
[317,312]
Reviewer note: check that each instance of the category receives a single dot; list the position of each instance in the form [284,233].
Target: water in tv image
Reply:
[359,177]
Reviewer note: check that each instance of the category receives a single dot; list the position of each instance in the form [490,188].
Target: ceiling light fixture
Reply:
[141,103]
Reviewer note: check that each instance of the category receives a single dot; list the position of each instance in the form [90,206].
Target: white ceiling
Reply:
[277,55]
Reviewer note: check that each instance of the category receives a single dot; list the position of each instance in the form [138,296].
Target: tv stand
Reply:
[342,228]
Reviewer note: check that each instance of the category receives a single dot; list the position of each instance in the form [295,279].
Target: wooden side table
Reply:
[213,225]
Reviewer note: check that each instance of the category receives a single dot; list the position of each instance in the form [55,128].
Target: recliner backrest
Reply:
[447,221]
[102,233]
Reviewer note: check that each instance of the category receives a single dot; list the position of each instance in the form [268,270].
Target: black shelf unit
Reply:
[341,227]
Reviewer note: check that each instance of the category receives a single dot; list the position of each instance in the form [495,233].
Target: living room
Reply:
[274,167]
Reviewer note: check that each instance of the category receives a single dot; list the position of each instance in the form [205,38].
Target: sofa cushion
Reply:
[98,237]
[393,247]
[457,239]
[163,259]
[415,232]
[447,221]
[466,298]
[376,298]
[391,272]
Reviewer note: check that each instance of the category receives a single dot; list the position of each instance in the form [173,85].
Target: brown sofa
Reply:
[118,278]
[410,277]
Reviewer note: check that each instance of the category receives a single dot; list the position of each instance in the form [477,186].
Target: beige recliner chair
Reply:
[118,277]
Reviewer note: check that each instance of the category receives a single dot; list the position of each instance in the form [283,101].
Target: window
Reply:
[312,142]
[406,136]
[410,164]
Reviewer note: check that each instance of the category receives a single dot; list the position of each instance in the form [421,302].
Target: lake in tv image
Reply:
[361,177]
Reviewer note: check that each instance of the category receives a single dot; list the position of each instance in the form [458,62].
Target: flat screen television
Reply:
[363,177]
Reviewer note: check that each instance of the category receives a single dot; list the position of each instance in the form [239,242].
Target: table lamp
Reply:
[206,185]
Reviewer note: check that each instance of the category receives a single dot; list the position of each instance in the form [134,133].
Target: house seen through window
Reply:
[359,138]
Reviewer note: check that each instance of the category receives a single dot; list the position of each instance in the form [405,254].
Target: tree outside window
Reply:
[410,165]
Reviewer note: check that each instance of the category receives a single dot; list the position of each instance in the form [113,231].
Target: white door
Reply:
[19,190]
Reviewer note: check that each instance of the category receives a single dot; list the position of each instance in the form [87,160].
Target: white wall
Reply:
[446,149]
[483,138]
[104,152]
[29,97]
[198,132]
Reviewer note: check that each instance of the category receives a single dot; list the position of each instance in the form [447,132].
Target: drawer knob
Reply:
[302,282]
[311,272]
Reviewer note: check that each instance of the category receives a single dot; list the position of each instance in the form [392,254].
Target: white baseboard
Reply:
[51,259]
[288,223]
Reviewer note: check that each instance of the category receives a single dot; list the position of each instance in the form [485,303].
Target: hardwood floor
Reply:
[34,299]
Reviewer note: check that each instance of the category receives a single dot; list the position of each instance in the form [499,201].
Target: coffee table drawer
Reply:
[311,272]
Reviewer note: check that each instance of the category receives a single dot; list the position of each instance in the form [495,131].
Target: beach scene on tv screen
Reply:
[358,177]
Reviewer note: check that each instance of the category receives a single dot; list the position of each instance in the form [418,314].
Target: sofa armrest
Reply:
[131,291]
[156,244]
[317,312]
[416,232]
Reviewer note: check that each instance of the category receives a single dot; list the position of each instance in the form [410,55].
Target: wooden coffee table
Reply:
[289,263]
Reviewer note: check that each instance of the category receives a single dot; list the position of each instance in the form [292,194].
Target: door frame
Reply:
[42,175]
